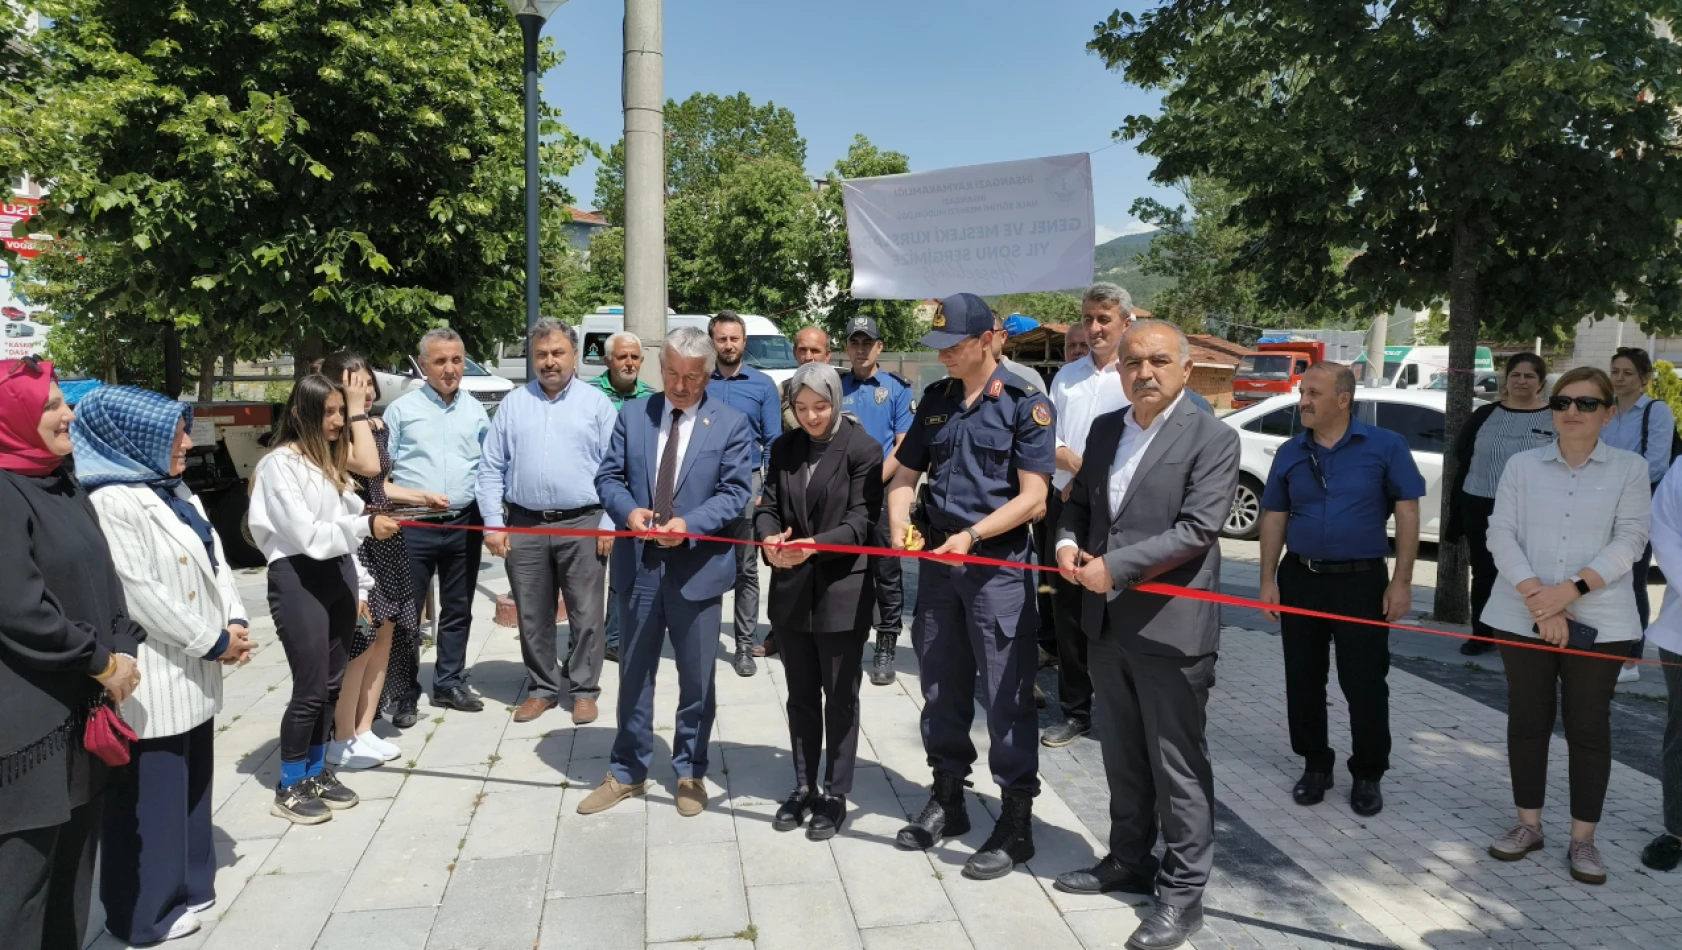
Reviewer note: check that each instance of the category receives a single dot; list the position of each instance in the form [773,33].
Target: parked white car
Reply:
[1418,415]
[476,381]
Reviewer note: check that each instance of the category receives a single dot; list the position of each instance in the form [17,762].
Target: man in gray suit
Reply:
[1148,505]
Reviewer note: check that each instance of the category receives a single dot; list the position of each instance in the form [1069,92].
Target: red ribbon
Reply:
[1149,587]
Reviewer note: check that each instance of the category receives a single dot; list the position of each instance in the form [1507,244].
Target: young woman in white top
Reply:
[308,522]
[1570,519]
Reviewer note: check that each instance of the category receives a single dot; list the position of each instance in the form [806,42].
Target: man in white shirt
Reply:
[1081,392]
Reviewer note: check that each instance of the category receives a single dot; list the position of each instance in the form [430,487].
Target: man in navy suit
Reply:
[678,463]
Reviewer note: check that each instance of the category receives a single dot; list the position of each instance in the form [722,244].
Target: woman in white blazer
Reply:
[158,862]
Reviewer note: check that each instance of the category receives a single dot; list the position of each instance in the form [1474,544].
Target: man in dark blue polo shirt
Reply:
[1328,498]
[881,402]
[753,394]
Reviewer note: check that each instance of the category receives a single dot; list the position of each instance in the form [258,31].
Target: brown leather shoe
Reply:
[691,797]
[608,794]
[584,712]
[769,647]
[531,709]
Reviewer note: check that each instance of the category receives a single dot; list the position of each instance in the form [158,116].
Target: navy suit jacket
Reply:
[714,487]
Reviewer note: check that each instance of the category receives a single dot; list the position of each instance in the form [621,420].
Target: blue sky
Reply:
[948,82]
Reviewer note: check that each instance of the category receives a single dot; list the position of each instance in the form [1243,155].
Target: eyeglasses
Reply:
[1584,404]
[1319,473]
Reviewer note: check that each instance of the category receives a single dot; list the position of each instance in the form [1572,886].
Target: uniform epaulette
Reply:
[902,380]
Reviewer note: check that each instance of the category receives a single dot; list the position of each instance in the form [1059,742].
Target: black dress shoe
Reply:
[1365,798]
[744,664]
[457,697]
[1169,927]
[828,812]
[406,714]
[611,654]
[1662,853]
[792,814]
[1106,876]
[1311,788]
[1065,732]
[1475,647]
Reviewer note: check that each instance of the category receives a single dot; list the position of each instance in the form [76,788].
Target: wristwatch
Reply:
[363,417]
[974,535]
[1581,585]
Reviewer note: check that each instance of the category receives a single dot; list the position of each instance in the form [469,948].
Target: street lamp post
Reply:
[531,15]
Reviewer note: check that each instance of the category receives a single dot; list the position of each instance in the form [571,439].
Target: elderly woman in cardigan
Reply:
[158,866]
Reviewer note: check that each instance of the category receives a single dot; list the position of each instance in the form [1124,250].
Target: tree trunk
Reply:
[1453,596]
[207,374]
[305,353]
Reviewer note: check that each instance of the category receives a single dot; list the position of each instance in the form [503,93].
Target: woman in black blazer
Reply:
[825,487]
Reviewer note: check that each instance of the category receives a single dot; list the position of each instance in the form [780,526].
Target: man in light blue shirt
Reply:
[539,470]
[437,433]
[753,394]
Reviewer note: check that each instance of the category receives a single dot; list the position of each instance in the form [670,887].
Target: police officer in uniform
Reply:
[986,440]
[881,402]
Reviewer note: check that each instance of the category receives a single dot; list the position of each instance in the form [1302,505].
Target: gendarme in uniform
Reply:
[971,619]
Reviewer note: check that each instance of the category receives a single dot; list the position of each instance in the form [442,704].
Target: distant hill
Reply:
[1115,263]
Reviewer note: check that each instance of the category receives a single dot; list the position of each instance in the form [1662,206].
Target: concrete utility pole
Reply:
[645,181]
[1374,373]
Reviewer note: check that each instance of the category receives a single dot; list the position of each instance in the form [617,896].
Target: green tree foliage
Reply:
[1518,159]
[338,172]
[1666,387]
[1046,307]
[1210,260]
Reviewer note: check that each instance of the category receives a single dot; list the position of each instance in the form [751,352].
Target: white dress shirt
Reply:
[1129,452]
[1080,393]
[1666,631]
[1552,521]
[685,429]
[296,510]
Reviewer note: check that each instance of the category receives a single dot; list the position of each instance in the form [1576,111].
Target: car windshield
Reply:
[1265,367]
[1391,368]
[769,352]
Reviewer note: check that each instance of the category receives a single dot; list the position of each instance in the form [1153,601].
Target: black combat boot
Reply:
[943,817]
[1011,842]
[882,672]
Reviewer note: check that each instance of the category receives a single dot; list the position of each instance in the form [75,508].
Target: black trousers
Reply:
[314,608]
[824,671]
[1363,662]
[890,587]
[453,555]
[1474,514]
[157,857]
[46,882]
[1074,678]
[1538,684]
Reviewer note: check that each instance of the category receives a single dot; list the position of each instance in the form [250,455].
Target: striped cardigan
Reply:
[182,602]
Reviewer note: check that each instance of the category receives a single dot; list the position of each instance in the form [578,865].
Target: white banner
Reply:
[1008,227]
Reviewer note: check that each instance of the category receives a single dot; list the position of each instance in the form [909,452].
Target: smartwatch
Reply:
[1581,585]
[974,535]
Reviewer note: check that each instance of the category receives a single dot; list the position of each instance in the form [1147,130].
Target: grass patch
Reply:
[750,934]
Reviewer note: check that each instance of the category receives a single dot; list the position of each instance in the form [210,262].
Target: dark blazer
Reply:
[1168,530]
[714,486]
[830,593]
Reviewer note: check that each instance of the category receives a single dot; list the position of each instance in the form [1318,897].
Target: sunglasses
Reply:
[1319,473]
[28,364]
[1583,403]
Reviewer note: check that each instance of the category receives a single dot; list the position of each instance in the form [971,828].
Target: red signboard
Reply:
[12,212]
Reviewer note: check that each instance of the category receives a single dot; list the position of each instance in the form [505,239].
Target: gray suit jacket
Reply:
[1168,530]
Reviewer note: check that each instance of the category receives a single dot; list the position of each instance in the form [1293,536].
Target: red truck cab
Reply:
[1274,367]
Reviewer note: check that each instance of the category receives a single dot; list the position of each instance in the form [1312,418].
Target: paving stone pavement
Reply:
[471,840]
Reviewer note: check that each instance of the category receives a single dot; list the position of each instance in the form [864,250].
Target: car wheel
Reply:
[231,527]
[1243,522]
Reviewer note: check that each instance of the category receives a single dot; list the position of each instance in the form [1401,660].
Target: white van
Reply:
[1413,367]
[767,350]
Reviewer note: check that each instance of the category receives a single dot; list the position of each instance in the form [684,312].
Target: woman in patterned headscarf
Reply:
[65,642]
[159,861]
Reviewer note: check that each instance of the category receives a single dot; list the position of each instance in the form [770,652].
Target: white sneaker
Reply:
[1629,674]
[374,745]
[201,908]
[347,756]
[185,925]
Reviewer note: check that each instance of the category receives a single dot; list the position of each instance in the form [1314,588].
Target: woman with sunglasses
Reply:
[1569,521]
[65,643]
[309,523]
[1645,426]
[1495,433]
